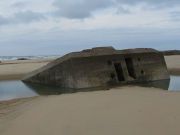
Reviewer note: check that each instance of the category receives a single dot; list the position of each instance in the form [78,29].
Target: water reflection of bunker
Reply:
[16,89]
[103,68]
[54,90]
[162,84]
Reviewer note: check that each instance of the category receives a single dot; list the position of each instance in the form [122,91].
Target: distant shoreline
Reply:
[23,58]
[171,52]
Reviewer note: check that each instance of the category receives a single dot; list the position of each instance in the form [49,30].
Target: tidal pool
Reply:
[174,83]
[17,89]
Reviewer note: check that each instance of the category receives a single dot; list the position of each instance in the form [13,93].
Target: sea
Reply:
[10,58]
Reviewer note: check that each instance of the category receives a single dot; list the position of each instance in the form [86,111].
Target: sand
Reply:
[12,70]
[173,64]
[127,110]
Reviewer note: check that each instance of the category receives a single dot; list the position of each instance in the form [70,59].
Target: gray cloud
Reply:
[153,2]
[80,9]
[28,17]
[22,17]
[175,16]
[18,4]
[3,20]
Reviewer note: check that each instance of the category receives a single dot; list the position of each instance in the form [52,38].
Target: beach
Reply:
[129,110]
[16,69]
[173,64]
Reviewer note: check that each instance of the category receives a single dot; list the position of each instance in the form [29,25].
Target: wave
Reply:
[9,58]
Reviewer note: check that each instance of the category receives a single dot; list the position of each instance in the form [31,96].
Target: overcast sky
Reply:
[43,27]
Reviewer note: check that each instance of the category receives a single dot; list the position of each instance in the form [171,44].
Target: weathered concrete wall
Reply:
[60,75]
[100,71]
[103,70]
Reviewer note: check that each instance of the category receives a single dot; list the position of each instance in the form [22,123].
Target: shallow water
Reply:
[15,89]
[174,83]
[18,89]
[171,85]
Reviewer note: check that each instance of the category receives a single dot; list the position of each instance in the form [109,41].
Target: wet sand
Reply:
[125,110]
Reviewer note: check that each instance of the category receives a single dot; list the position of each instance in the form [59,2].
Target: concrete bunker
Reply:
[103,67]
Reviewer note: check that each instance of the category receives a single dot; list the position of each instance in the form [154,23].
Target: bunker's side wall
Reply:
[59,75]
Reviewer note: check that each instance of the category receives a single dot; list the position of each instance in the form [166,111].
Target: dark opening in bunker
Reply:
[119,71]
[130,67]
[142,72]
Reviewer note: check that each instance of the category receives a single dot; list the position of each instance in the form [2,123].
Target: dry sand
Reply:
[173,64]
[126,110]
[17,69]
